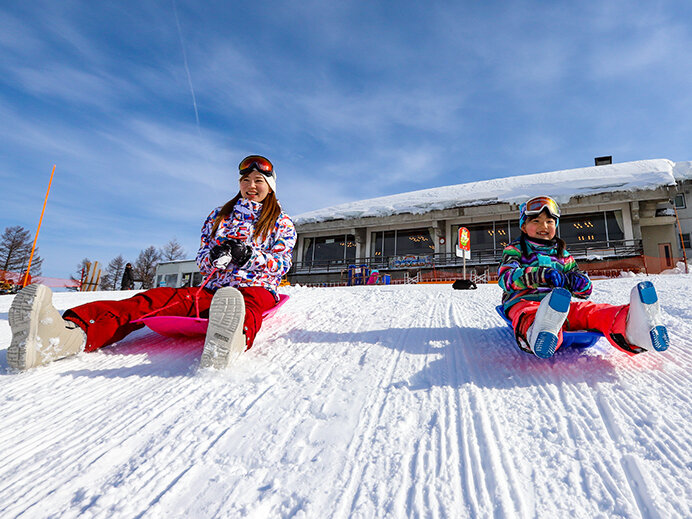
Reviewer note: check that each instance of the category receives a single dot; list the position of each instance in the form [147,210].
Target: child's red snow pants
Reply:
[106,322]
[610,320]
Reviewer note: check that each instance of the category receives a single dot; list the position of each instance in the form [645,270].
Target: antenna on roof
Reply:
[603,161]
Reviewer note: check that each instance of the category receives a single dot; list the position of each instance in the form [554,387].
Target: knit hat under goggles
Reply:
[536,206]
[261,165]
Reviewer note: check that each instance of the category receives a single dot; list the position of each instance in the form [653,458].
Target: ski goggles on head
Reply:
[538,204]
[256,163]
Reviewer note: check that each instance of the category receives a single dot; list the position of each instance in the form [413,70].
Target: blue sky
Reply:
[147,107]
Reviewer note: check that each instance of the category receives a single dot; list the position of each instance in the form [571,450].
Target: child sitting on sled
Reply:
[539,278]
[246,248]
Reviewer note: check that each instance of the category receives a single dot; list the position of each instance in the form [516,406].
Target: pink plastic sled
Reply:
[179,326]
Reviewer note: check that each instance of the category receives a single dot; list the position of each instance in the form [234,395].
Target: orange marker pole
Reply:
[33,247]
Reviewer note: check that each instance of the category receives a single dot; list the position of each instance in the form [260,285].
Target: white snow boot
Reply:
[645,326]
[39,334]
[225,339]
[543,334]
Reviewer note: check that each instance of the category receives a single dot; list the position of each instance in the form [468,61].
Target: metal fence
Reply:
[482,257]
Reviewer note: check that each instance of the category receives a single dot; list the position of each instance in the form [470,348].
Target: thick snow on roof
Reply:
[683,170]
[561,185]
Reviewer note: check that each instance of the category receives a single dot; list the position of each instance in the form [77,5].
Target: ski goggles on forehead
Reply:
[538,204]
[256,163]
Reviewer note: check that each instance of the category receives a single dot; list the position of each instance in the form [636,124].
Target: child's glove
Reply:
[554,277]
[230,251]
[576,281]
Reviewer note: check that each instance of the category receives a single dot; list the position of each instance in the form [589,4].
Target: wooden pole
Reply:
[33,247]
[94,266]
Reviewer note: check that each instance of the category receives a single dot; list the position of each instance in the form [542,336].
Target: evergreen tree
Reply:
[110,279]
[15,250]
[172,251]
[145,266]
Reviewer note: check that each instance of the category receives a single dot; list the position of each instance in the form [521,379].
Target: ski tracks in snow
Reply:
[400,401]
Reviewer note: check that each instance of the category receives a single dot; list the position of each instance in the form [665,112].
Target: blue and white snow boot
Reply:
[645,326]
[552,312]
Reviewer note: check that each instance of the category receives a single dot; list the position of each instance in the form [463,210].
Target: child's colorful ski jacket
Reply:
[522,270]
[271,258]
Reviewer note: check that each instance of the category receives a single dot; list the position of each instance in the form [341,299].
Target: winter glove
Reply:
[576,281]
[554,277]
[230,251]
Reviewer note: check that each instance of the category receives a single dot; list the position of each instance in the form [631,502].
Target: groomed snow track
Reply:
[401,401]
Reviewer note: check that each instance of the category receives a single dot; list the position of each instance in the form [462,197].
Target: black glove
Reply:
[230,251]
[554,277]
[576,281]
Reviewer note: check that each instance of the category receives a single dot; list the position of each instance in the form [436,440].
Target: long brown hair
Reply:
[270,213]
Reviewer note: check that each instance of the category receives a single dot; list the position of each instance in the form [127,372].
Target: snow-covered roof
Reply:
[561,185]
[683,170]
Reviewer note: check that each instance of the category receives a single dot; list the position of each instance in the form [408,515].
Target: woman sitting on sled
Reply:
[247,244]
[539,278]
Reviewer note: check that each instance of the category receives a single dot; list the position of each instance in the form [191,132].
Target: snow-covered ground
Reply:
[397,401]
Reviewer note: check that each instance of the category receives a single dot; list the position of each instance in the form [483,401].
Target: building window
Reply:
[417,242]
[680,201]
[383,244]
[685,241]
[488,236]
[330,249]
[592,228]
[407,242]
[614,225]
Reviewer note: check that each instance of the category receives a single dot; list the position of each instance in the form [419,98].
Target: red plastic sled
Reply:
[574,339]
[177,326]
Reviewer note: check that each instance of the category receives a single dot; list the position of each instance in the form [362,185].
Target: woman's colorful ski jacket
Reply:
[271,258]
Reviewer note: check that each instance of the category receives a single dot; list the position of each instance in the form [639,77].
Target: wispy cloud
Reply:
[350,100]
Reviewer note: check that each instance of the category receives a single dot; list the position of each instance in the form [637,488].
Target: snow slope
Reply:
[398,401]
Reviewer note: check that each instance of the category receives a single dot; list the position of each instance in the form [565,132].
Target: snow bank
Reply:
[385,401]
[561,185]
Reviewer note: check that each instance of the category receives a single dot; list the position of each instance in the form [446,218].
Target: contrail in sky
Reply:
[187,69]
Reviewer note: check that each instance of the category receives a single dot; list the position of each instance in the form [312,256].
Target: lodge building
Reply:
[626,216]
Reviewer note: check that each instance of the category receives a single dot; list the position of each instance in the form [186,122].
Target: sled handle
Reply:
[206,280]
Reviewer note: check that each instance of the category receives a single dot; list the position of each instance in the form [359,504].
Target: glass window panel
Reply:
[376,244]
[583,229]
[416,242]
[482,236]
[615,225]
[680,202]
[501,235]
[308,250]
[350,247]
[388,244]
[196,279]
[514,231]
[329,248]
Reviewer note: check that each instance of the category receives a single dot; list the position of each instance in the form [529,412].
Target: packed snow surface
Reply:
[384,401]
[561,185]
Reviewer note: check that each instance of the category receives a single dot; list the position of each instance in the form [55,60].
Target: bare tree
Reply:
[172,251]
[114,271]
[81,271]
[15,250]
[145,266]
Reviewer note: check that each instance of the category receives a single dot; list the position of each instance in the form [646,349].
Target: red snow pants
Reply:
[106,322]
[610,320]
